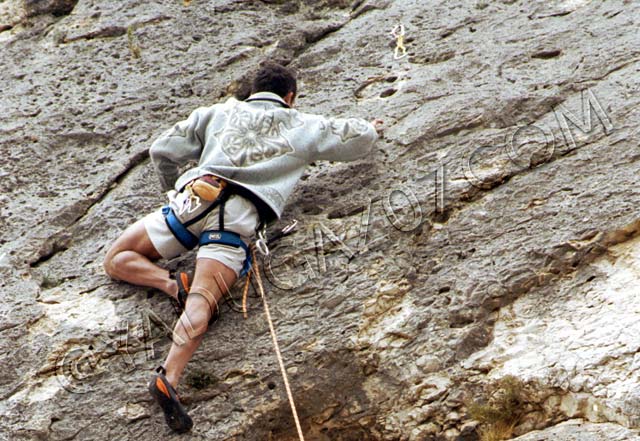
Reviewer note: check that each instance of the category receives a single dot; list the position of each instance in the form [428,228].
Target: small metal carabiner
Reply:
[398,31]
[261,243]
[289,228]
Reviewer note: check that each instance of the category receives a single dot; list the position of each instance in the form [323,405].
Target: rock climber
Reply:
[249,154]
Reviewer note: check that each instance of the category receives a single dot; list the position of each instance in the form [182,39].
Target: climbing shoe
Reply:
[166,396]
[183,288]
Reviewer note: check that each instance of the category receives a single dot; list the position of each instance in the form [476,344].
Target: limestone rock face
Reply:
[491,234]
[54,7]
[577,430]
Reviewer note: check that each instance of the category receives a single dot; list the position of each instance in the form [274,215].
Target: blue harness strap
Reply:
[184,236]
[227,238]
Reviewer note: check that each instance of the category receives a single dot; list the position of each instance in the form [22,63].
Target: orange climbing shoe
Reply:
[182,279]
[166,396]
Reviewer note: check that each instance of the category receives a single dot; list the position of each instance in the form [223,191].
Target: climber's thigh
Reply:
[135,238]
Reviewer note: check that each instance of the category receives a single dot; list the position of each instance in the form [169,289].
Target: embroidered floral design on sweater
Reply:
[250,138]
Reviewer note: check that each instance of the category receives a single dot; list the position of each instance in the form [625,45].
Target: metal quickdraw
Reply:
[400,50]
[289,229]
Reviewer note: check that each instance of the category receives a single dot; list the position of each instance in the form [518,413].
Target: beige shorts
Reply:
[240,216]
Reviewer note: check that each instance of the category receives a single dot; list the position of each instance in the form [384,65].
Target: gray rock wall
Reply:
[490,233]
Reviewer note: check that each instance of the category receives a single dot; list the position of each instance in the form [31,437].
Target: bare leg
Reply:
[193,322]
[131,258]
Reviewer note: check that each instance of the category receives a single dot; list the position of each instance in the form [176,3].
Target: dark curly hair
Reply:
[273,77]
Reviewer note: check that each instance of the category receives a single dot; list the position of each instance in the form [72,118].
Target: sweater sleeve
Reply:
[179,145]
[344,139]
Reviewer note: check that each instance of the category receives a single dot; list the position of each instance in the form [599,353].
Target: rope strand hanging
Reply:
[255,269]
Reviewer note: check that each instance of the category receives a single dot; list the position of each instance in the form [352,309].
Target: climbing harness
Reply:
[400,50]
[227,238]
[189,240]
[250,268]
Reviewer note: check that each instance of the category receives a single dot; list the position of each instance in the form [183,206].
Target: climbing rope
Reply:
[256,270]
[245,292]
[262,244]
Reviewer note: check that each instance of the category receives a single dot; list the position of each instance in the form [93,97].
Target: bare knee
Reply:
[196,316]
[107,263]
[134,241]
[199,317]
[114,262]
[204,299]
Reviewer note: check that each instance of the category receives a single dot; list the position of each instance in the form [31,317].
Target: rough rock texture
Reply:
[500,213]
[590,354]
[577,430]
[53,7]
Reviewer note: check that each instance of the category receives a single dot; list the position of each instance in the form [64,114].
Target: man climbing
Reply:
[250,155]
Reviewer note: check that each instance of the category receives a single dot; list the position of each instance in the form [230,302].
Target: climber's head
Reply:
[273,77]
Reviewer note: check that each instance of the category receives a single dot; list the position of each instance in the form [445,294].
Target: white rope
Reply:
[277,348]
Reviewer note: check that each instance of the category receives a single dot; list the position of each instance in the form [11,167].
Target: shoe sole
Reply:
[174,414]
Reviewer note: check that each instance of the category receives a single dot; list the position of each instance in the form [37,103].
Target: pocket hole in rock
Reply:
[545,55]
[387,93]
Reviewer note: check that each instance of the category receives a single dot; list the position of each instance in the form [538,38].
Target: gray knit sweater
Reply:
[258,144]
